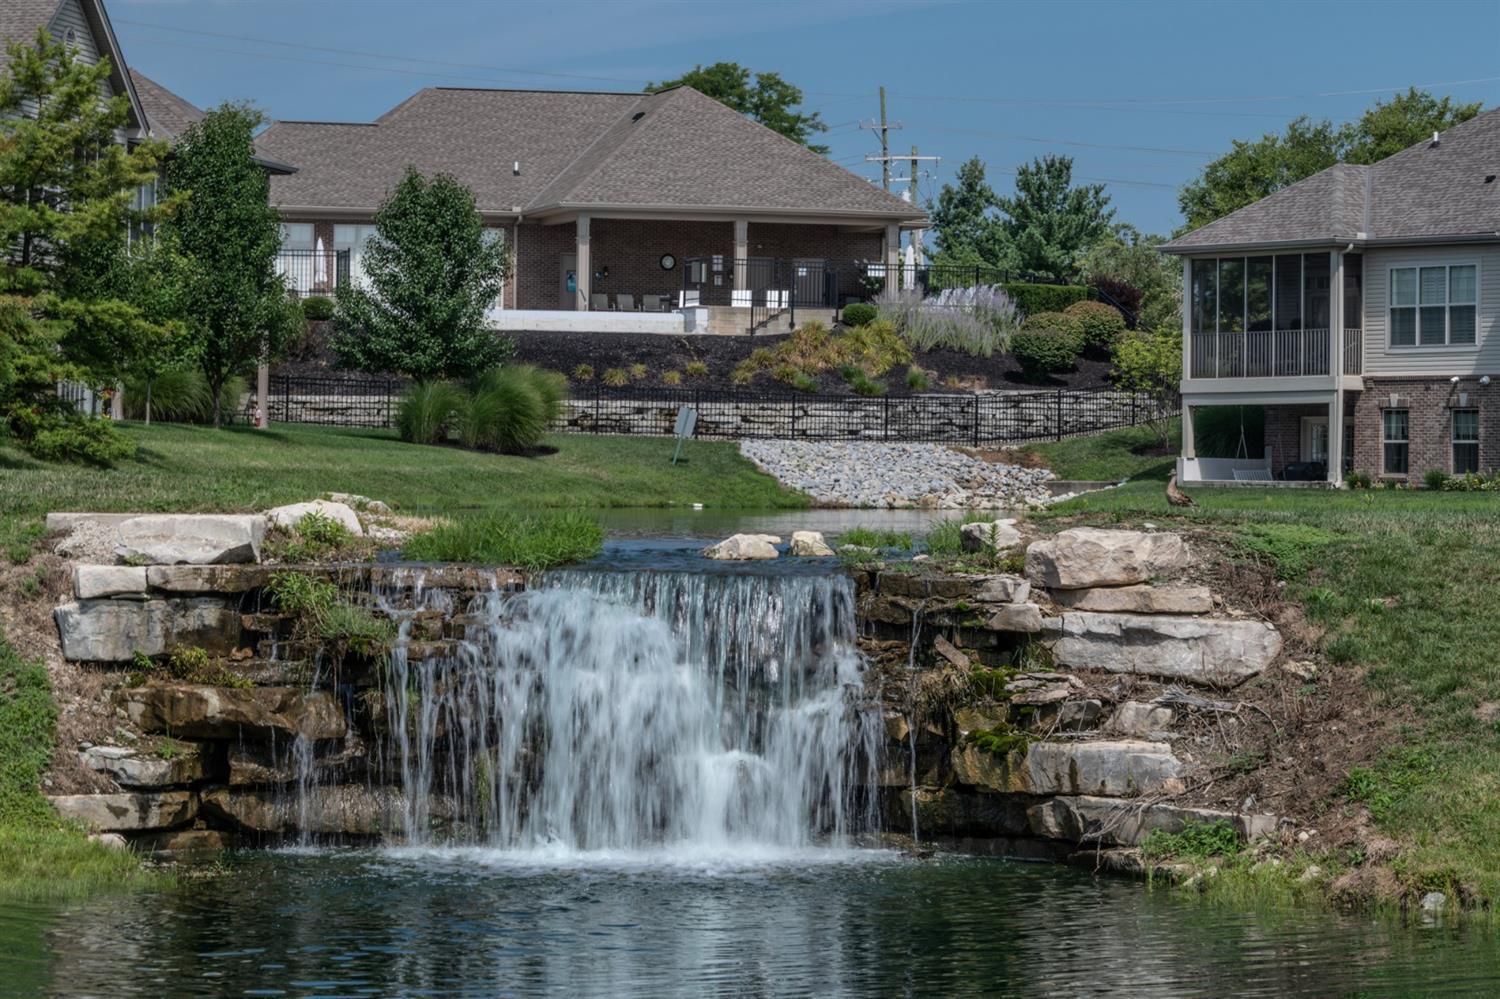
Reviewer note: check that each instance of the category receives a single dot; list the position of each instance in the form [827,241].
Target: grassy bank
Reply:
[1402,587]
[180,468]
[41,856]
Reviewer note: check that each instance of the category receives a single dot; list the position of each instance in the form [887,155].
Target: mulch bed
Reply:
[566,351]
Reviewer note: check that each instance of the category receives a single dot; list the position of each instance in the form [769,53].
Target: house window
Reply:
[491,236]
[1434,306]
[354,238]
[1395,436]
[1465,440]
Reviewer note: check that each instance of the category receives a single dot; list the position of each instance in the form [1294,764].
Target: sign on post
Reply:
[687,422]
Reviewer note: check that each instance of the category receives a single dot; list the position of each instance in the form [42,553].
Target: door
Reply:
[567,284]
[1315,439]
[808,286]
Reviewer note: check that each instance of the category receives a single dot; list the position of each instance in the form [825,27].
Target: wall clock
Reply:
[668,261]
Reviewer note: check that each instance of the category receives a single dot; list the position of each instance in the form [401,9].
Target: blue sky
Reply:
[1140,94]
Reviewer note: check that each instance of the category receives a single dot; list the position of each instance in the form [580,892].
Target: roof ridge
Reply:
[546,90]
[585,151]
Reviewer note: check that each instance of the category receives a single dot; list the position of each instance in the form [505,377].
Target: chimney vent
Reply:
[1436,138]
[515,169]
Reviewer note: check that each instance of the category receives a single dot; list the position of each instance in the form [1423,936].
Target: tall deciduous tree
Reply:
[66,190]
[432,273]
[767,99]
[224,236]
[1049,223]
[1254,169]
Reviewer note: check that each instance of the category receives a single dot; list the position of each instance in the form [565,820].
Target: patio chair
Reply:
[654,303]
[625,303]
[598,302]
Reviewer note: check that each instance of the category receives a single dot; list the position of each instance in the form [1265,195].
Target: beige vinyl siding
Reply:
[1481,359]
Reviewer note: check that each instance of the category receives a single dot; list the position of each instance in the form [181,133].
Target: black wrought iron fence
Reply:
[312,272]
[974,418]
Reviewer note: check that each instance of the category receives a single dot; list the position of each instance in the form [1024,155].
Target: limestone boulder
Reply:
[270,763]
[1083,557]
[198,711]
[989,536]
[194,539]
[337,810]
[1001,589]
[92,582]
[1141,719]
[1209,651]
[127,812]
[206,578]
[809,544]
[184,763]
[180,844]
[363,504]
[1022,618]
[1138,599]
[1114,769]
[744,547]
[1110,822]
[114,630]
[288,517]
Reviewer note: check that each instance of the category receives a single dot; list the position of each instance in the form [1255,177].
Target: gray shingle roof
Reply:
[1424,192]
[168,114]
[19,20]
[674,149]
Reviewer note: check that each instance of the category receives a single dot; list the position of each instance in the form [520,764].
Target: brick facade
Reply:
[632,250]
[1429,404]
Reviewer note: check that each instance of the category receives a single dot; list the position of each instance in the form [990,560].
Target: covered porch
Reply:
[1303,437]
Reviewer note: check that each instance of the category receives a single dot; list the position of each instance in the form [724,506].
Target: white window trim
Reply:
[1435,348]
[1454,441]
[1385,441]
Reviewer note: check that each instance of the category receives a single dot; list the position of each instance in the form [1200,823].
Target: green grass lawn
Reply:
[1406,585]
[181,468]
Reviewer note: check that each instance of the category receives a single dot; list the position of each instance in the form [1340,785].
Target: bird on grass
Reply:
[1176,496]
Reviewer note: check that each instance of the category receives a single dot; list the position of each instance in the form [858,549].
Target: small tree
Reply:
[1049,224]
[769,100]
[222,240]
[431,275]
[1150,362]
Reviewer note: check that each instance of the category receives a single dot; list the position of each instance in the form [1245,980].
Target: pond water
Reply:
[475,922]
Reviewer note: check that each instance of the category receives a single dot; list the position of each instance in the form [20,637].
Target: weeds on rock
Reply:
[188,664]
[324,615]
[316,538]
[1196,841]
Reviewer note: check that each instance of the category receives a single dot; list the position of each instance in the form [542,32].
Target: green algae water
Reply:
[477,922]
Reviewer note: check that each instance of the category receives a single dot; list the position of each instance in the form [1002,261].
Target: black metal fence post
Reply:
[976,419]
[1059,414]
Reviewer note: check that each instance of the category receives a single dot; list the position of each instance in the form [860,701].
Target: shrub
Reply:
[1470,482]
[527,541]
[917,380]
[1034,298]
[1099,326]
[615,377]
[317,537]
[785,372]
[180,395]
[638,372]
[1435,478]
[1195,841]
[1357,480]
[1044,351]
[510,408]
[427,412]
[695,369]
[80,439]
[743,374]
[583,373]
[811,348]
[316,308]
[1151,363]
[1126,294]
[671,377]
[858,314]
[804,382]
[1059,321]
[863,384]
[875,348]
[977,320]
[761,358]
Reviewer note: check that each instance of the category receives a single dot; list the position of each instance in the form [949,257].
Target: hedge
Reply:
[1033,298]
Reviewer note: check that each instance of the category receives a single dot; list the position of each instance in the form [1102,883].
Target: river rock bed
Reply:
[891,476]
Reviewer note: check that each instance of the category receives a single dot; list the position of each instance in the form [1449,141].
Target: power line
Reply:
[1068,142]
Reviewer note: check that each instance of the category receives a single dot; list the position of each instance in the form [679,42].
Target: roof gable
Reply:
[168,114]
[20,19]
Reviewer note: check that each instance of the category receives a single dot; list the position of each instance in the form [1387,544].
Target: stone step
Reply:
[197,711]
[127,811]
[1114,769]
[1208,651]
[1111,822]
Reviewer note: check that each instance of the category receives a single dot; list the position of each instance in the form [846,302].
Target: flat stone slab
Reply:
[1208,651]
[1138,599]
[192,538]
[1114,769]
[127,812]
[114,630]
[198,711]
[132,769]
[340,810]
[1022,618]
[91,582]
[1083,557]
[206,578]
[66,522]
[1111,822]
[743,547]
[1001,589]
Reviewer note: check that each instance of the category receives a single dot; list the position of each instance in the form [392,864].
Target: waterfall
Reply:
[606,710]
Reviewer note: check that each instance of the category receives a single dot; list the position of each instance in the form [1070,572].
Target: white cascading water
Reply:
[626,711]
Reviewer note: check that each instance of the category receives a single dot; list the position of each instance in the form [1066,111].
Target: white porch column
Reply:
[1336,363]
[117,402]
[263,397]
[1189,445]
[892,255]
[584,264]
[741,254]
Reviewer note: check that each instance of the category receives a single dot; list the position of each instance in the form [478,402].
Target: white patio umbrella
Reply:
[320,263]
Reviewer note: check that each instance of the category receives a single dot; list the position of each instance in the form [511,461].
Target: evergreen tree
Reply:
[1049,223]
[223,237]
[965,230]
[432,272]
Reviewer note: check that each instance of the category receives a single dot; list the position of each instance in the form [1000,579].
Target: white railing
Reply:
[1261,354]
[1354,352]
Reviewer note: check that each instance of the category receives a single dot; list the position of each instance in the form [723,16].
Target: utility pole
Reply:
[917,247]
[884,127]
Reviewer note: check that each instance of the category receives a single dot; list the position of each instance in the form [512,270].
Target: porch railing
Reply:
[765,288]
[1354,352]
[1261,354]
[313,272]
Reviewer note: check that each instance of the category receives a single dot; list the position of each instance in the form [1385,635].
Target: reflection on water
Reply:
[481,923]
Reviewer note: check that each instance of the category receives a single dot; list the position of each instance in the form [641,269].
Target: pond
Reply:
[475,922]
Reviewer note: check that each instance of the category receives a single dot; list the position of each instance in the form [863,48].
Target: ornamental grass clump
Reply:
[506,409]
[527,541]
[427,412]
[979,320]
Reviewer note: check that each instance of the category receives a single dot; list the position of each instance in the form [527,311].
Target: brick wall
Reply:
[1429,404]
[632,250]
[826,242]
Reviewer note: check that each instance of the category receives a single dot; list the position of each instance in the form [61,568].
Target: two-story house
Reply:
[1359,308]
